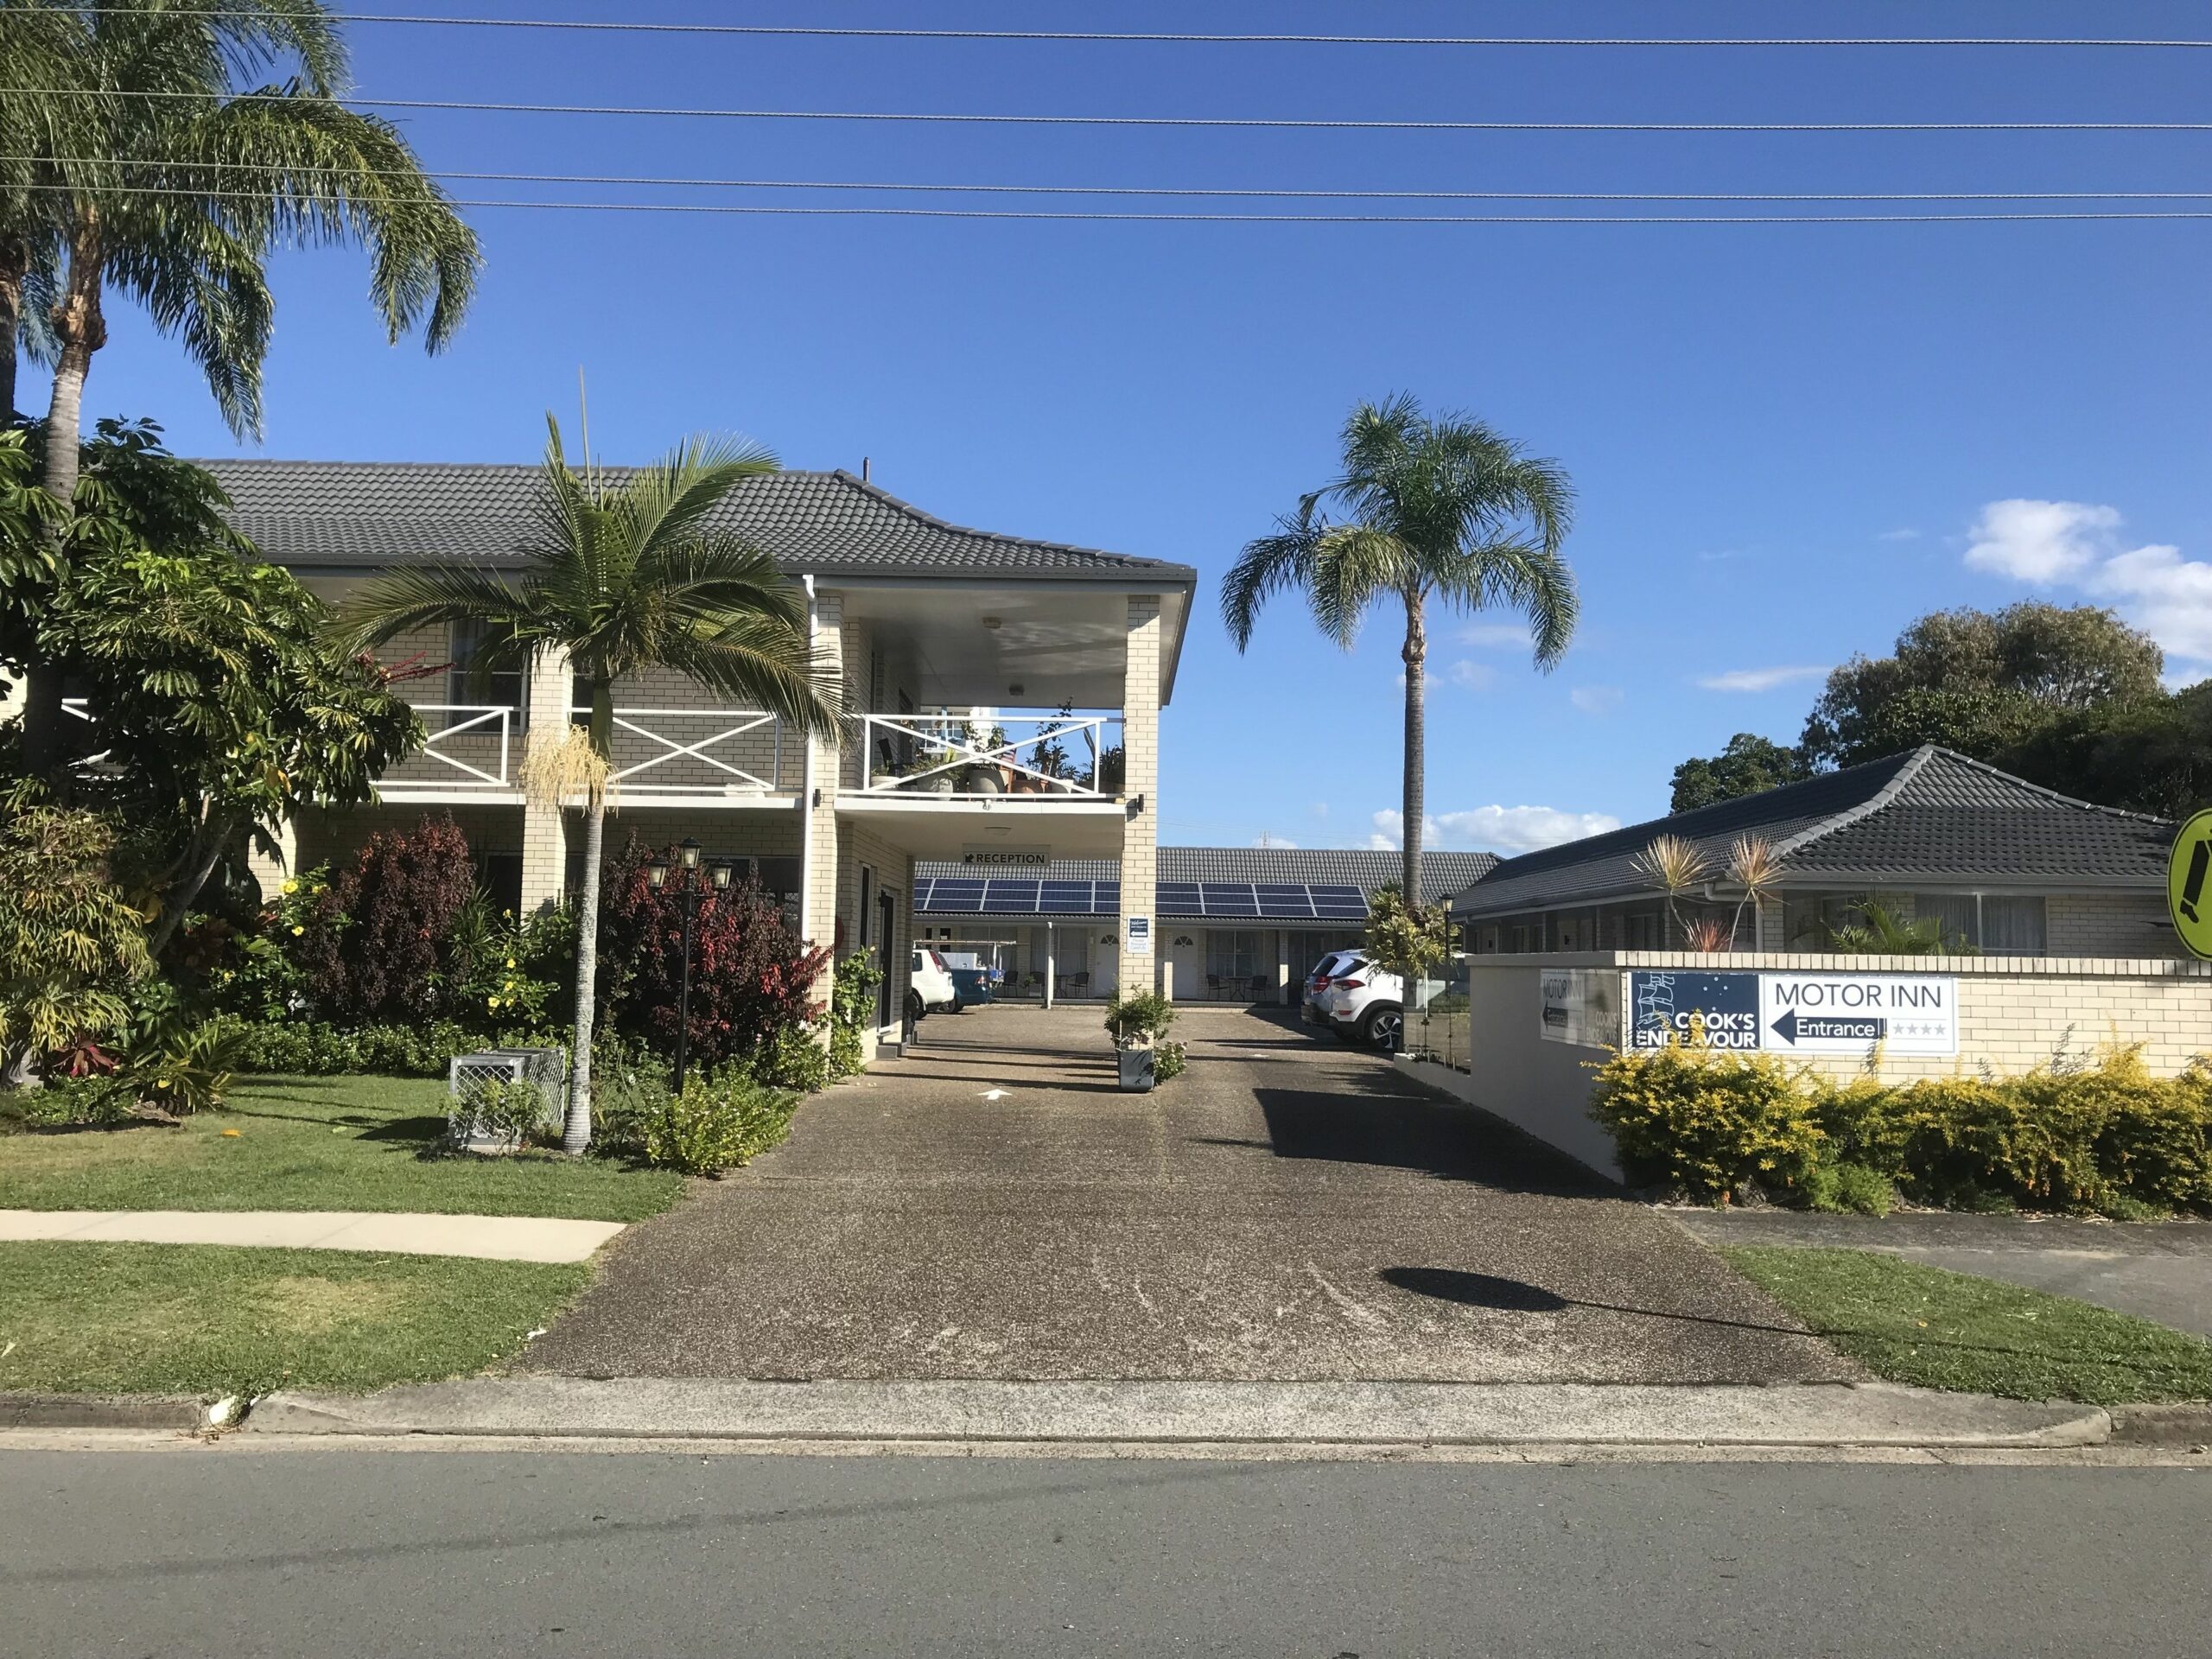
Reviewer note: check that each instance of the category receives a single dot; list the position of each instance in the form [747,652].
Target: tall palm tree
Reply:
[624,573]
[1443,508]
[144,159]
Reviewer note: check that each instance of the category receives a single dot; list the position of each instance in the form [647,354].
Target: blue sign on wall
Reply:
[1666,1006]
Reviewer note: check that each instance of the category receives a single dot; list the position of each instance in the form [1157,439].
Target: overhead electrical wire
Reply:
[1225,192]
[1184,38]
[1101,216]
[1243,122]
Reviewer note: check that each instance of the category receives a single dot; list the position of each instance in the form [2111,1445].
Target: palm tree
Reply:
[151,171]
[624,573]
[1443,508]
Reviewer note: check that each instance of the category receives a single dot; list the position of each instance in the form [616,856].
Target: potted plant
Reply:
[1136,1020]
[1113,770]
[939,776]
[886,774]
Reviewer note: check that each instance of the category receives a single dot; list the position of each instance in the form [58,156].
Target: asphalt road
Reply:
[340,1552]
[1289,1208]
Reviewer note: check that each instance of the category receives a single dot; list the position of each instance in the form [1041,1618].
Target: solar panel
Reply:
[1067,897]
[1227,898]
[1283,899]
[1110,898]
[948,893]
[1011,897]
[1177,898]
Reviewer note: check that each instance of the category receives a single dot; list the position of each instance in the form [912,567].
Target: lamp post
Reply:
[687,868]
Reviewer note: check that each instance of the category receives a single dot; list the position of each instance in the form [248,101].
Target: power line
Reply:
[1178,38]
[1101,216]
[1271,121]
[1224,192]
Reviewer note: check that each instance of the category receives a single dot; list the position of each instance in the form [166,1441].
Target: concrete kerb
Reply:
[167,1411]
[1183,1413]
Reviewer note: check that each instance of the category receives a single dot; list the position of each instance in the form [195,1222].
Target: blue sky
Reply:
[1788,441]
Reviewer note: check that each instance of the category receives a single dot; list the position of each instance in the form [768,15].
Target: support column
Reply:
[271,872]
[549,693]
[819,782]
[1141,786]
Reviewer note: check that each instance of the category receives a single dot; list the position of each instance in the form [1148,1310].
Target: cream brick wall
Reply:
[1141,744]
[2109,924]
[820,830]
[893,870]
[2015,1012]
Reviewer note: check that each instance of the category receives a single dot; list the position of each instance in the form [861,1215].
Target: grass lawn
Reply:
[159,1319]
[316,1143]
[1942,1330]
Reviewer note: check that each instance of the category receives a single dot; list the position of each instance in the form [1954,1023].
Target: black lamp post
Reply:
[687,869]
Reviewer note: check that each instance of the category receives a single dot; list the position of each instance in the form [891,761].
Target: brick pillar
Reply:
[549,693]
[1141,749]
[818,806]
[271,872]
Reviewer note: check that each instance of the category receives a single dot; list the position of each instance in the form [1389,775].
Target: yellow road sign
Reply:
[2188,884]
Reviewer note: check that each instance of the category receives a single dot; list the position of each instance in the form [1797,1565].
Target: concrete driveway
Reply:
[1289,1208]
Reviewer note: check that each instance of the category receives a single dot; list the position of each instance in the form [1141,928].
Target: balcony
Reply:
[695,757]
[954,783]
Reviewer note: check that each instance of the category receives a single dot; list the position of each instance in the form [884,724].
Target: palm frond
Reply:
[1353,565]
[1267,566]
[437,596]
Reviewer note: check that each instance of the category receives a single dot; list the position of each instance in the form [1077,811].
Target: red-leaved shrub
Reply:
[376,945]
[751,976]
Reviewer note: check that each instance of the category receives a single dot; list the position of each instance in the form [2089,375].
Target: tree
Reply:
[1443,508]
[1748,765]
[1980,681]
[2148,754]
[70,944]
[1406,941]
[624,573]
[156,173]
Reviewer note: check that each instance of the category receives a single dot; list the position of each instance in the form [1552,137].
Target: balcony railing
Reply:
[694,754]
[471,747]
[979,755]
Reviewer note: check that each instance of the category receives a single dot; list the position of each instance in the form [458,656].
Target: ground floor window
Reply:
[1233,967]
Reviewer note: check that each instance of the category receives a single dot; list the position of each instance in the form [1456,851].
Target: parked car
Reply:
[1362,1003]
[930,985]
[1309,1003]
[971,980]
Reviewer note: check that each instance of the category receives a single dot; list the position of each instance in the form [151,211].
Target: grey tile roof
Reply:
[369,515]
[1924,816]
[1442,873]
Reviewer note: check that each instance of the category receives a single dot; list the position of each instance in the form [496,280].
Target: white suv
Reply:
[931,983]
[1351,995]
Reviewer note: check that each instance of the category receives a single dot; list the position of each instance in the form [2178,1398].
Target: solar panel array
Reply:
[1230,900]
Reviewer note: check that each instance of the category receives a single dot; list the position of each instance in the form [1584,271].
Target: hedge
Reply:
[2108,1138]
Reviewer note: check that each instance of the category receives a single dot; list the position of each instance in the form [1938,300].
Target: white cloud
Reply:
[1320,808]
[1596,699]
[2170,597]
[1508,829]
[2075,544]
[1906,534]
[1473,675]
[1495,635]
[1760,679]
[1715,556]
[2041,541]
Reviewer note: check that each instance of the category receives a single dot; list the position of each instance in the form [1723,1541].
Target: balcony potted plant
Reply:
[938,775]
[1113,771]
[886,773]
[986,777]
[1136,1021]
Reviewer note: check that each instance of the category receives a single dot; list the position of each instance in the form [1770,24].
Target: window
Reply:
[1232,954]
[2013,924]
[464,686]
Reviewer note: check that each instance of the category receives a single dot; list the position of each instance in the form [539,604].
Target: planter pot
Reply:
[1137,1074]
[883,780]
[983,780]
[939,783]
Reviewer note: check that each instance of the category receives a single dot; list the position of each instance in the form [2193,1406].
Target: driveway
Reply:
[1289,1208]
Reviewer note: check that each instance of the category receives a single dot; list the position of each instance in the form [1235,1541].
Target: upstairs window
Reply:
[465,686]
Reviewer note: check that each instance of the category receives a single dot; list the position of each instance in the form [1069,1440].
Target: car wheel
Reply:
[1385,1029]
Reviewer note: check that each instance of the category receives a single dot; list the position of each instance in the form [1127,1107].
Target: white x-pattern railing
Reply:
[741,723]
[948,759]
[481,740]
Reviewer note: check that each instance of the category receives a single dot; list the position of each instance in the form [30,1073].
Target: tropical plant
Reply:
[852,1011]
[624,573]
[1442,508]
[1138,1018]
[1680,869]
[144,160]
[1877,927]
[379,944]
[71,944]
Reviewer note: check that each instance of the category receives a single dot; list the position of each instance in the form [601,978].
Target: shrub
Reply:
[629,1087]
[1135,1017]
[314,1048]
[1168,1060]
[376,943]
[751,976]
[2104,1137]
[1707,1122]
[793,1058]
[852,1004]
[71,945]
[510,970]
[717,1123]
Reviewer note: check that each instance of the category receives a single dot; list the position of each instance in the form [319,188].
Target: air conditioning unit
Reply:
[470,1080]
